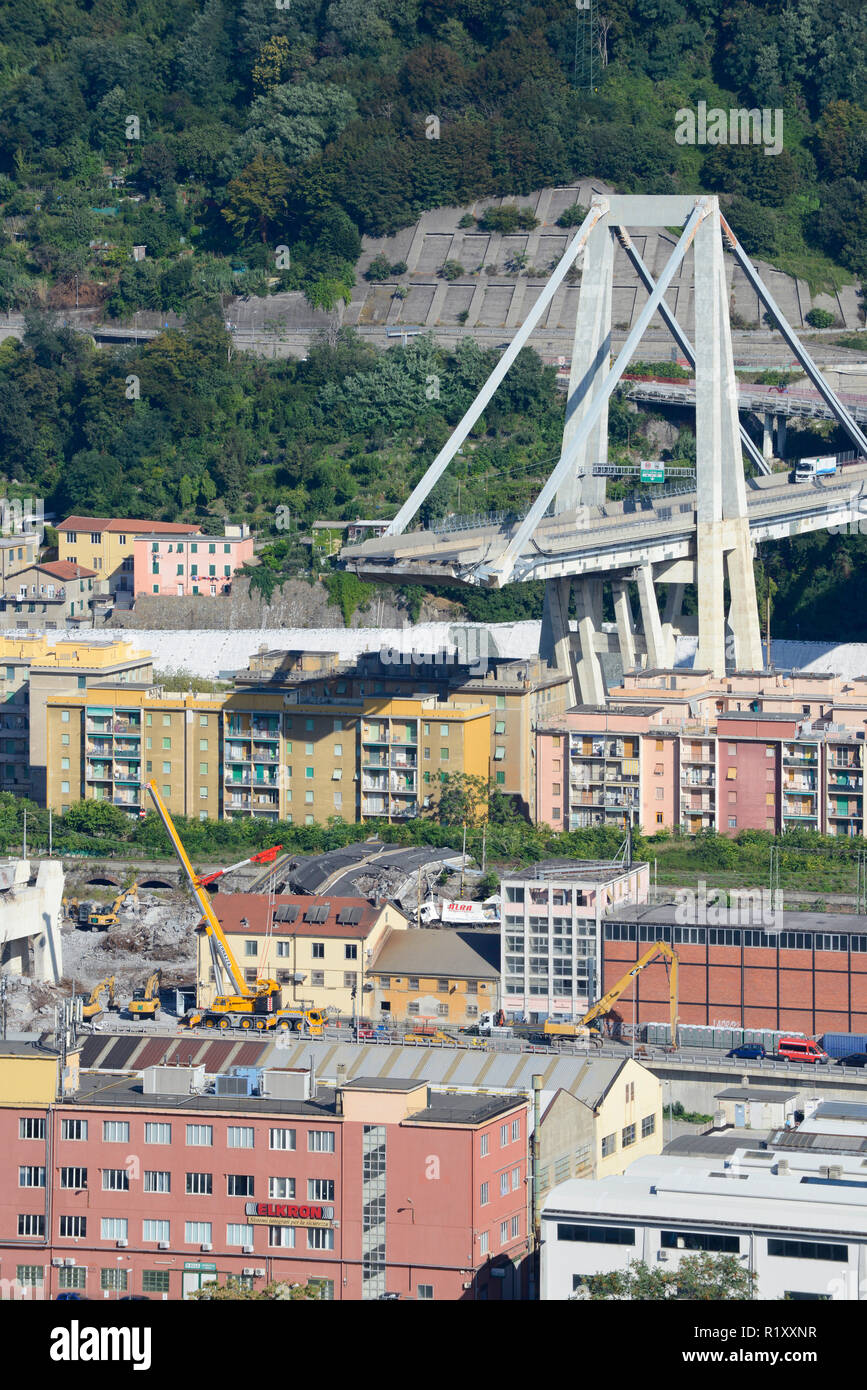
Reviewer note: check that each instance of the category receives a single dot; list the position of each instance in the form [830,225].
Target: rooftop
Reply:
[588,870]
[457,954]
[745,913]
[764,1097]
[126,523]
[295,915]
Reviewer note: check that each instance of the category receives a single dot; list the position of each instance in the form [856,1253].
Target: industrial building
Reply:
[796,1222]
[552,932]
[371,1187]
[805,973]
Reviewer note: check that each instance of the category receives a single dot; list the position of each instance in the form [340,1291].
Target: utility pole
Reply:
[24,853]
[3,983]
[418,899]
[484,845]
[463,857]
[50,833]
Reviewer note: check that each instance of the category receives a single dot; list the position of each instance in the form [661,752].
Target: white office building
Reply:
[551,932]
[797,1220]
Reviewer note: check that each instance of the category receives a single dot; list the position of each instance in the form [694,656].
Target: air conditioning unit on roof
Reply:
[164,1245]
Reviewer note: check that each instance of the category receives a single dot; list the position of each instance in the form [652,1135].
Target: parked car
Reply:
[752,1051]
[71,1297]
[800,1050]
[855,1059]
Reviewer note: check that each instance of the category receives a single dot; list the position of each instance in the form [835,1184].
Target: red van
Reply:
[800,1050]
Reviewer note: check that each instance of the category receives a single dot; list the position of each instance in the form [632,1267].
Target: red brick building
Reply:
[372,1187]
[809,977]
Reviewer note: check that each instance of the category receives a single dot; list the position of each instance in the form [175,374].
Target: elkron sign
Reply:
[289,1214]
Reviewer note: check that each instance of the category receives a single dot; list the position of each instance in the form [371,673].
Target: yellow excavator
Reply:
[92,1006]
[241,1005]
[594,1016]
[145,1002]
[103,918]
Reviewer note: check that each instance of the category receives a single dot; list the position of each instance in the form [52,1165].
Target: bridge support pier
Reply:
[656,646]
[768,436]
[671,613]
[555,639]
[588,607]
[625,623]
[781,436]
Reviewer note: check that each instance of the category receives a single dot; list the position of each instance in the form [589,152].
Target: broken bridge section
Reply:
[575,540]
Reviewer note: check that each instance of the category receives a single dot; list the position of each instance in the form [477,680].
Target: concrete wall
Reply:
[30,920]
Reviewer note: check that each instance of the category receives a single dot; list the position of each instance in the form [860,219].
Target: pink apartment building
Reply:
[182,566]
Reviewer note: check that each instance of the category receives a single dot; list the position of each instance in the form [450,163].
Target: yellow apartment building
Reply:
[436,977]
[108,742]
[105,544]
[376,757]
[31,670]
[317,948]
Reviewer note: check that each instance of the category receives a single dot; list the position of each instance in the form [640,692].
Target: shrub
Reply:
[572,216]
[379,268]
[820,318]
[452,270]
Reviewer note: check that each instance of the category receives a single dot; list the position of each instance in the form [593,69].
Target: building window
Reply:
[516,1179]
[320,1141]
[157,1180]
[700,1240]
[115,1131]
[73,1227]
[320,1189]
[609,1144]
[317,950]
[155,1281]
[239,1184]
[31,1225]
[74,1178]
[73,1129]
[113,1228]
[31,1176]
[31,1128]
[200,1136]
[596,1235]
[281,1139]
[156,1133]
[483,1243]
[319,1238]
[155,1230]
[484,1146]
[239,1235]
[809,1250]
[113,1280]
[648,1126]
[115,1180]
[425,1293]
[72,1278]
[282,1237]
[504,1136]
[197,1232]
[282,1188]
[350,952]
[200,1184]
[484,1197]
[504,1184]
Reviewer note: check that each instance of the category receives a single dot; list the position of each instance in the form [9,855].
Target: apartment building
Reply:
[17,552]
[177,567]
[521,694]
[740,769]
[551,933]
[105,545]
[107,742]
[319,949]
[361,759]
[31,671]
[54,594]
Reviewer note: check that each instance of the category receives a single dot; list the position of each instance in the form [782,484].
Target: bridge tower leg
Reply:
[625,623]
[673,610]
[722,529]
[656,646]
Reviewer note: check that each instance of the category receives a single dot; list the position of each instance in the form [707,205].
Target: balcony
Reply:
[374,767]
[98,774]
[265,755]
[398,761]
[265,731]
[376,806]
[233,781]
[127,726]
[127,803]
[801,759]
[236,755]
[122,747]
[369,784]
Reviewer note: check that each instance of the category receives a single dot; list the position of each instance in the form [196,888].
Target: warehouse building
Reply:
[796,1223]
[808,975]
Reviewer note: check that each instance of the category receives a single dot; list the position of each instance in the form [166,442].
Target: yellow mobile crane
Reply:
[250,1006]
[603,1005]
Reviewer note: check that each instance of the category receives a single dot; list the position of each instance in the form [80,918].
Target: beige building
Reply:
[609,1116]
[519,693]
[107,742]
[31,671]
[55,594]
[436,977]
[17,552]
[318,949]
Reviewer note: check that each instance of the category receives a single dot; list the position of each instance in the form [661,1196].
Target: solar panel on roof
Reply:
[354,916]
[319,913]
[286,912]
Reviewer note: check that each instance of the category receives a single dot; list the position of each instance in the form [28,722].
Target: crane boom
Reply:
[659,948]
[216,935]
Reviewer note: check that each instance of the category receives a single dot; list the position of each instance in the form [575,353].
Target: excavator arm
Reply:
[659,948]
